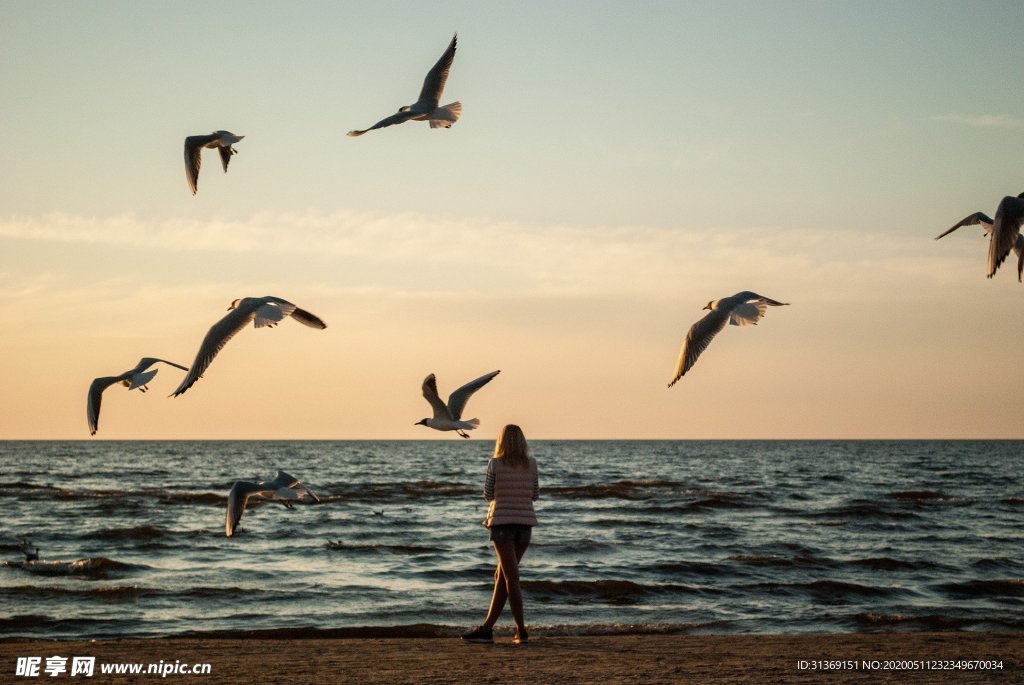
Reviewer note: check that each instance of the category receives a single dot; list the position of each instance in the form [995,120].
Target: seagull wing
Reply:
[1005,229]
[457,400]
[433,84]
[1019,249]
[225,156]
[747,313]
[194,158]
[397,118]
[92,404]
[304,490]
[282,480]
[308,319]
[140,378]
[749,308]
[217,337]
[430,394]
[154,360]
[697,339]
[972,220]
[237,499]
[272,311]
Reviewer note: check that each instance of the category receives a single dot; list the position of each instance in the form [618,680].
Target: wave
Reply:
[888,564]
[41,624]
[623,489]
[27,491]
[340,546]
[414,630]
[96,567]
[612,591]
[429,487]
[827,589]
[772,560]
[917,495]
[134,533]
[865,509]
[107,592]
[1006,587]
[871,621]
[208,498]
[432,630]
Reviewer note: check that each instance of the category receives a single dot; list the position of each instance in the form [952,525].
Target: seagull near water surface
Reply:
[222,140]
[448,417]
[742,309]
[262,311]
[427,107]
[131,379]
[284,489]
[1004,232]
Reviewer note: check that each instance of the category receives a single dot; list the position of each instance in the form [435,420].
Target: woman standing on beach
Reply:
[511,486]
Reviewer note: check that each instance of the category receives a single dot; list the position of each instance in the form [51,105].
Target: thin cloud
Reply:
[982,120]
[413,253]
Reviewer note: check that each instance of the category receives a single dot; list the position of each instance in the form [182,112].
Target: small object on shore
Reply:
[25,547]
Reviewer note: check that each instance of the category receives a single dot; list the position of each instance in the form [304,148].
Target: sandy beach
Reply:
[946,657]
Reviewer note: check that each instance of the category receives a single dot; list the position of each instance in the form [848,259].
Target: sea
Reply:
[633,536]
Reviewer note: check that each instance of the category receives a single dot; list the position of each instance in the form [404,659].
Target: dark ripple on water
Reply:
[95,568]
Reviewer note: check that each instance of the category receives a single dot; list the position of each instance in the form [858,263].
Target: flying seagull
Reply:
[742,309]
[262,311]
[448,417]
[426,108]
[1005,232]
[131,379]
[284,489]
[222,140]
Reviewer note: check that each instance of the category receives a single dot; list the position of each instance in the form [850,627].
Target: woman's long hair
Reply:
[511,446]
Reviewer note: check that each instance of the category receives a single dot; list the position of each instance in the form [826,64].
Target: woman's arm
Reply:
[489,482]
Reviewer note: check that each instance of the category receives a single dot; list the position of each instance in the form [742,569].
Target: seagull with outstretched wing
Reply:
[742,309]
[427,108]
[1004,232]
[261,311]
[136,378]
[223,141]
[284,489]
[448,417]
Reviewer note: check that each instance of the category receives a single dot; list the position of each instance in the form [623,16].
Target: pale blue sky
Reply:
[617,166]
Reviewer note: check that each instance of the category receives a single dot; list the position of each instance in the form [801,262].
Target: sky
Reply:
[617,166]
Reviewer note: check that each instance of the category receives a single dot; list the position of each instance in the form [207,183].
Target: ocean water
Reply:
[703,536]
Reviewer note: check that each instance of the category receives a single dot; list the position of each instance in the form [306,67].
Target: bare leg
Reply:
[506,584]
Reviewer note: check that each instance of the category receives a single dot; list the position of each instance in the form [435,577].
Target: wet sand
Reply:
[555,660]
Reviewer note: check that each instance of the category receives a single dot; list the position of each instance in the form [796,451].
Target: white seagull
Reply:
[131,379]
[1005,232]
[262,311]
[222,140]
[426,108]
[448,417]
[742,309]
[284,489]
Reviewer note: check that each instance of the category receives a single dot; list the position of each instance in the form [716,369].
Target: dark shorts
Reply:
[512,532]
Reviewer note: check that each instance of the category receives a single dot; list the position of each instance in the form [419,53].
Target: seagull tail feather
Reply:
[444,117]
